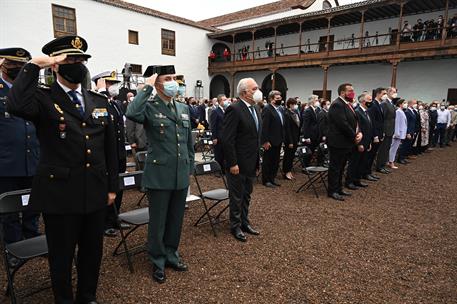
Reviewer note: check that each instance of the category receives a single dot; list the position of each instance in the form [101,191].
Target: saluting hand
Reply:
[151,80]
[101,84]
[46,61]
[111,198]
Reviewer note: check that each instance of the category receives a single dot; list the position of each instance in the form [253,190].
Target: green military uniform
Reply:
[169,163]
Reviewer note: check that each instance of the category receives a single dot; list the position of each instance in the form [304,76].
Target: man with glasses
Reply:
[77,174]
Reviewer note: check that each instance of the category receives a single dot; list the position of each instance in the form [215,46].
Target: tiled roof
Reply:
[257,11]
[155,13]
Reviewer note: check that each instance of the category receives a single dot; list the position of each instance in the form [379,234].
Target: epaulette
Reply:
[97,94]
[43,87]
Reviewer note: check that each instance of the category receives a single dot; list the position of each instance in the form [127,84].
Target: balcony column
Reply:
[273,79]
[300,40]
[253,45]
[276,41]
[446,16]
[328,35]
[324,86]
[233,49]
[362,29]
[400,21]
[394,63]
[232,85]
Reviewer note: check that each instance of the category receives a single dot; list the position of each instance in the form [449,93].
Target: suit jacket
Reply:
[342,125]
[19,146]
[291,128]
[77,166]
[217,118]
[389,111]
[411,121]
[135,134]
[201,110]
[170,159]
[401,125]
[193,110]
[272,128]
[417,127]
[377,118]
[310,128]
[366,127]
[241,139]
[322,122]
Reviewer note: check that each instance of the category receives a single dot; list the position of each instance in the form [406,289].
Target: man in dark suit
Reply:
[342,136]
[388,108]
[377,119]
[77,174]
[417,132]
[406,145]
[310,127]
[358,161]
[216,119]
[272,138]
[20,150]
[193,110]
[241,143]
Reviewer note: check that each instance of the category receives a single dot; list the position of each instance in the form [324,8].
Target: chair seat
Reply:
[216,194]
[29,248]
[316,169]
[131,165]
[135,217]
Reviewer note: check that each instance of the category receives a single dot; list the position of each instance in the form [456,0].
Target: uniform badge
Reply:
[1,85]
[160,116]
[58,108]
[7,115]
[99,112]
[185,116]
[62,133]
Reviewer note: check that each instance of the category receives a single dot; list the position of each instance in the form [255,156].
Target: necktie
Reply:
[76,101]
[280,116]
[171,107]
[254,116]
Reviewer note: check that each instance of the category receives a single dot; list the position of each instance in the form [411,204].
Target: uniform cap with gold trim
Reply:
[15,54]
[108,76]
[70,45]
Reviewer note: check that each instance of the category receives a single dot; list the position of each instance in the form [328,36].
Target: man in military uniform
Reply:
[169,163]
[19,148]
[77,174]
[108,84]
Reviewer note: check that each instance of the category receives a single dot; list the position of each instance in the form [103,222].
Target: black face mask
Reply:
[368,104]
[13,72]
[73,73]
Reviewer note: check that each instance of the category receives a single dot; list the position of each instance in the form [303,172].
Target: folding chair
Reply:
[315,174]
[140,160]
[215,196]
[23,251]
[135,218]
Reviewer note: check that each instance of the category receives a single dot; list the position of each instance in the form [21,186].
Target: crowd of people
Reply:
[67,144]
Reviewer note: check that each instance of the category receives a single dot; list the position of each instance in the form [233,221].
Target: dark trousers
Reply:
[383,153]
[166,214]
[240,189]
[16,229]
[404,149]
[371,156]
[219,155]
[288,159]
[356,166]
[270,164]
[338,160]
[111,219]
[431,138]
[418,139]
[440,134]
[63,233]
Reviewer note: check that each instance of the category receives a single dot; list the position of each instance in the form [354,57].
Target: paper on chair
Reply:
[25,199]
[129,181]
[206,167]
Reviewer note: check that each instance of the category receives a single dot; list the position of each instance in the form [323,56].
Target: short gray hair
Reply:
[243,85]
[272,94]
[312,98]
[220,96]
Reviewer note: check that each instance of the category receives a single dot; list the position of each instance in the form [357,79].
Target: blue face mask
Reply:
[170,88]
[181,90]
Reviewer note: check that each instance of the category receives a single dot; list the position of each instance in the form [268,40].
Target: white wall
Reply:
[106,28]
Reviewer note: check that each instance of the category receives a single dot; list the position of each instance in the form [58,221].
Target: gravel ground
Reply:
[393,243]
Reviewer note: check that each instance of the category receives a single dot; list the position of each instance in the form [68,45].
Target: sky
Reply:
[202,9]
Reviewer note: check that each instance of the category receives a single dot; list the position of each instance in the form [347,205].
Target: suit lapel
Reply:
[247,112]
[63,100]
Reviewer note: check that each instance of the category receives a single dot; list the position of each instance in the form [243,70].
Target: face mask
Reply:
[384,97]
[327,107]
[278,102]
[131,99]
[421,108]
[170,88]
[73,73]
[415,106]
[433,108]
[442,108]
[295,107]
[405,106]
[13,72]
[257,96]
[113,90]
[368,104]
[394,95]
[317,104]
[350,96]
[181,90]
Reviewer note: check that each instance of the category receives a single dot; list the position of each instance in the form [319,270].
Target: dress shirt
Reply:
[78,93]
[444,117]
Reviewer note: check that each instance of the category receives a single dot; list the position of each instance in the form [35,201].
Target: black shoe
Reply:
[376,177]
[403,162]
[181,267]
[370,178]
[344,193]
[276,184]
[12,261]
[239,235]
[383,171]
[269,185]
[351,186]
[158,275]
[336,197]
[111,232]
[250,230]
[361,185]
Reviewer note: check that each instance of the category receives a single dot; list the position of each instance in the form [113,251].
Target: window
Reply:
[133,37]
[136,68]
[168,42]
[64,20]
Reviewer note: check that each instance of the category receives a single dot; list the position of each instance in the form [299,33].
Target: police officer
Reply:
[108,84]
[168,165]
[19,151]
[77,173]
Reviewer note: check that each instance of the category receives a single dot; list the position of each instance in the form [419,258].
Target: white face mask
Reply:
[442,108]
[405,106]
[317,104]
[433,108]
[421,107]
[113,90]
[258,96]
[384,97]
[295,107]
[414,106]
[394,95]
[131,99]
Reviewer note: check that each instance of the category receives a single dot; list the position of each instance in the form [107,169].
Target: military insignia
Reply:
[185,116]
[1,85]
[160,116]
[7,115]
[58,108]
[77,43]
[63,135]
[99,112]
[20,53]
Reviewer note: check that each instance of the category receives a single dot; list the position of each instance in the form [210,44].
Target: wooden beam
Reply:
[400,21]
[299,40]
[362,29]
[446,16]
[394,63]
[325,84]
[328,34]
[233,49]
[276,41]
[232,84]
[253,45]
[273,79]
